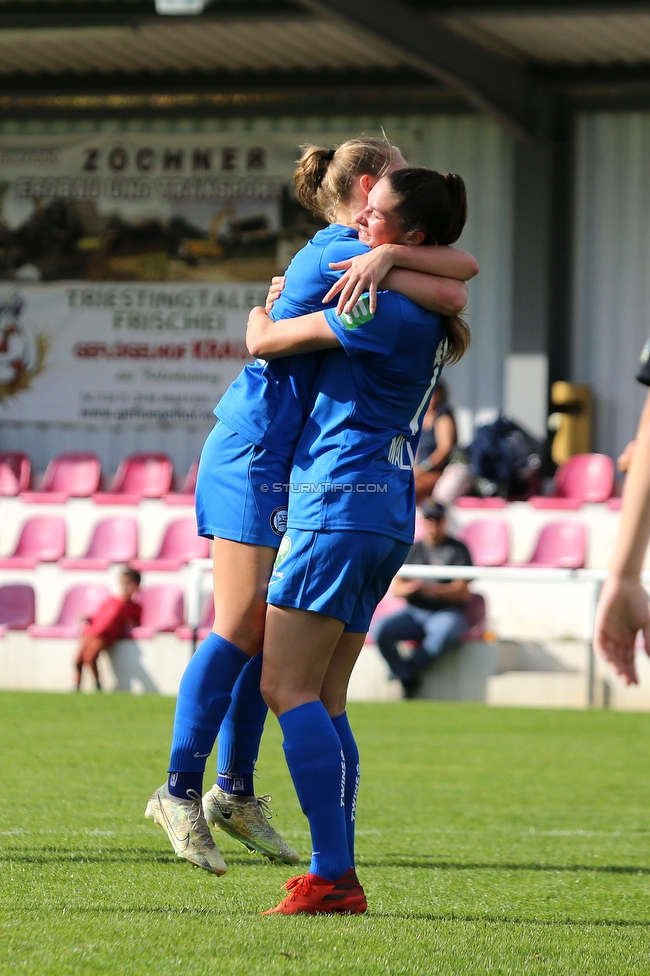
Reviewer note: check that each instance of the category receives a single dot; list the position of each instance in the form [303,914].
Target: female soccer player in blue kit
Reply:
[261,418]
[351,514]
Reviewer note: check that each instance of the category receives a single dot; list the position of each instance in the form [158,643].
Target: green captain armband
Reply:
[359,315]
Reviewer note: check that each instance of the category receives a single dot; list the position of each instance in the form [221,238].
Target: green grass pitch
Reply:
[490,841]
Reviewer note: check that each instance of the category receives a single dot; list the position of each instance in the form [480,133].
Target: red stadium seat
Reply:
[74,475]
[204,626]
[162,610]
[180,544]
[560,545]
[138,476]
[488,541]
[79,602]
[114,540]
[186,494]
[582,478]
[15,472]
[42,540]
[17,607]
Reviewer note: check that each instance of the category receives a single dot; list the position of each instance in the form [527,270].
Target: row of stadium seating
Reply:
[162,612]
[113,540]
[78,475]
[559,545]
[583,478]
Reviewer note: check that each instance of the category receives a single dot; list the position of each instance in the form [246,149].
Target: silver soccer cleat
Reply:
[184,822]
[246,818]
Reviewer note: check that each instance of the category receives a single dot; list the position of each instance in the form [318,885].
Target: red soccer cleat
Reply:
[310,894]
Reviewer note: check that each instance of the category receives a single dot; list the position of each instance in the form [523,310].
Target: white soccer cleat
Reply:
[246,818]
[185,825]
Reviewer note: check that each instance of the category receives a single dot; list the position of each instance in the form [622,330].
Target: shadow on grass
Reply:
[50,855]
[508,920]
[115,856]
[502,866]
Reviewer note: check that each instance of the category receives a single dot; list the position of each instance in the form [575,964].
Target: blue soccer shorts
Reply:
[339,573]
[241,490]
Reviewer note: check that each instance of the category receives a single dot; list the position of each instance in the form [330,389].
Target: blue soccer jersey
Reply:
[353,464]
[268,403]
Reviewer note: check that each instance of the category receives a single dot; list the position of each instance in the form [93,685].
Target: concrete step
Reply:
[538,689]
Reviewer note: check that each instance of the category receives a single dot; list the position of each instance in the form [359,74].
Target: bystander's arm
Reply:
[456,591]
[623,606]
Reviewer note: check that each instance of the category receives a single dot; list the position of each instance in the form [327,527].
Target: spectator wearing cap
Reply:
[435,613]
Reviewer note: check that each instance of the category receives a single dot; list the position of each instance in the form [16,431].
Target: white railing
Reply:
[594,578]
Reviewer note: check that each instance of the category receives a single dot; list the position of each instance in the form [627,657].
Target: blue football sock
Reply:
[179,784]
[315,760]
[352,775]
[241,731]
[203,700]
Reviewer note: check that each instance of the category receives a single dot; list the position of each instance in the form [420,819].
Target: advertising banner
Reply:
[134,206]
[121,353]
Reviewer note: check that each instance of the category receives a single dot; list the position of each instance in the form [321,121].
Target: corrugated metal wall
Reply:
[483,153]
[474,146]
[611,314]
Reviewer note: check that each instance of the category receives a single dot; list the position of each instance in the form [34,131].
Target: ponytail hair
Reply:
[435,204]
[458,336]
[325,177]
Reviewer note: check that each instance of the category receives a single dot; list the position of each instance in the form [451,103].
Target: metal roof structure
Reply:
[506,57]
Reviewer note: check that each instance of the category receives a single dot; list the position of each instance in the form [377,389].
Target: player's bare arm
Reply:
[366,272]
[267,339]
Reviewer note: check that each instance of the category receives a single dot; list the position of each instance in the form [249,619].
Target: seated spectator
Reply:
[435,615]
[115,618]
[436,443]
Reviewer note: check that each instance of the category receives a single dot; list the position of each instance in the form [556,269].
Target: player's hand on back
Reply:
[363,273]
[277,286]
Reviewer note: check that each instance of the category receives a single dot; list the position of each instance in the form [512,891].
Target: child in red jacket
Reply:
[115,618]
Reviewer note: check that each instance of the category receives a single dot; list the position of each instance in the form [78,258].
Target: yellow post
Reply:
[573,403]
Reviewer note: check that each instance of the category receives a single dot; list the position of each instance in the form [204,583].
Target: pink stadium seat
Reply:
[74,475]
[162,610]
[474,611]
[468,501]
[204,626]
[389,604]
[114,540]
[42,540]
[180,544]
[560,545]
[79,602]
[15,472]
[476,618]
[582,478]
[488,541]
[186,494]
[138,476]
[17,607]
